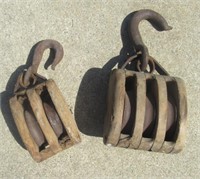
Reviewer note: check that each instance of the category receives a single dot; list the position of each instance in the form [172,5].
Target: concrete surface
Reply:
[90,34]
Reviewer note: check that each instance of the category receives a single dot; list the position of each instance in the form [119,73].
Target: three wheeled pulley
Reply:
[145,110]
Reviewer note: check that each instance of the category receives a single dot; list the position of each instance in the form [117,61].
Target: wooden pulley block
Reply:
[145,110]
[40,112]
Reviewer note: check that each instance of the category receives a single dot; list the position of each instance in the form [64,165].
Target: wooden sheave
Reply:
[115,105]
[54,144]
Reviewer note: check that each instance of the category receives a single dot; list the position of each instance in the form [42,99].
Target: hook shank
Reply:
[37,57]
[39,50]
[156,20]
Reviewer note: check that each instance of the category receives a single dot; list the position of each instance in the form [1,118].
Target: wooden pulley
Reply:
[145,110]
[40,112]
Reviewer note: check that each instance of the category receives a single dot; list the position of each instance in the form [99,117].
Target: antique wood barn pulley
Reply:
[41,114]
[145,110]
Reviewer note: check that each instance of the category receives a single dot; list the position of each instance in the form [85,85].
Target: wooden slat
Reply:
[182,116]
[180,95]
[146,144]
[39,113]
[46,153]
[124,141]
[63,111]
[18,115]
[140,110]
[108,120]
[167,147]
[116,107]
[162,107]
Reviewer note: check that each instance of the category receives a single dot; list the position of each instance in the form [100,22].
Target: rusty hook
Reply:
[156,20]
[41,47]
[37,57]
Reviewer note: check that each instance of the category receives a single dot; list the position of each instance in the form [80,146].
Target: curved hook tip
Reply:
[41,47]
[156,20]
[166,28]
[169,28]
[53,67]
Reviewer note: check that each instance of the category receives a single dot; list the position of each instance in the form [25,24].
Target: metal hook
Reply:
[37,57]
[156,20]
[41,47]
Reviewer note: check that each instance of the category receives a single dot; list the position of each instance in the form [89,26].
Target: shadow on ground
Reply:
[90,104]
[90,107]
